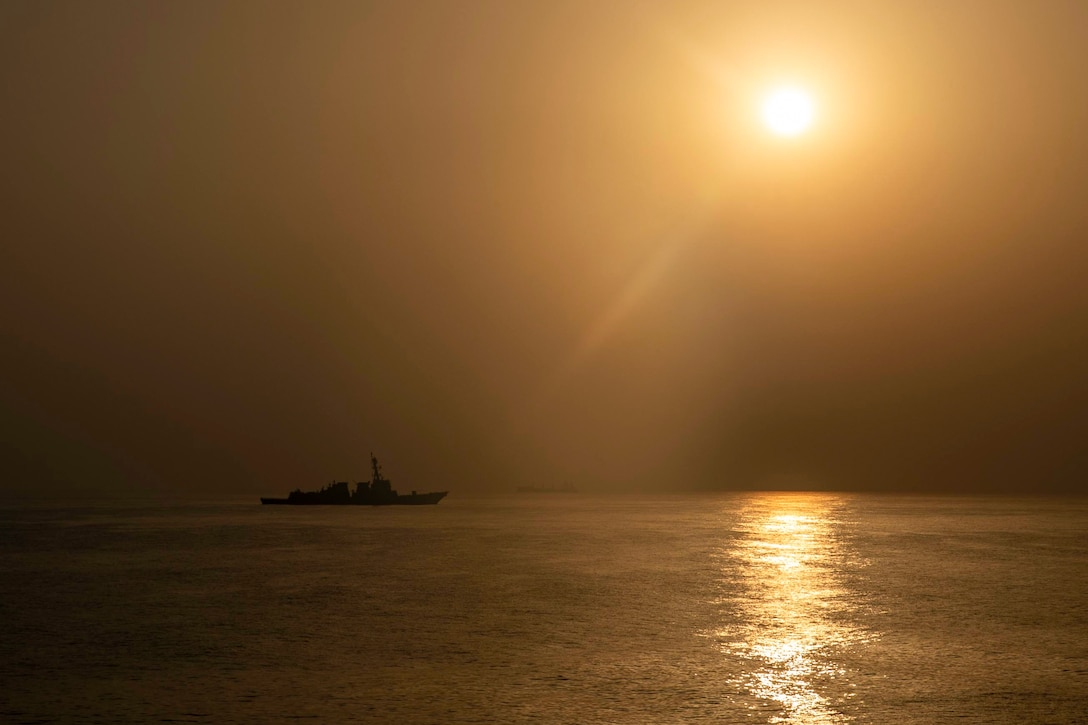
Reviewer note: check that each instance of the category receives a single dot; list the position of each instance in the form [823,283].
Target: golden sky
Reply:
[504,243]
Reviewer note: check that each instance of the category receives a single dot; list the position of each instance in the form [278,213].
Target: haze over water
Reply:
[755,608]
[509,242]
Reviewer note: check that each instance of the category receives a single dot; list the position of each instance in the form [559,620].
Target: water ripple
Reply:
[788,616]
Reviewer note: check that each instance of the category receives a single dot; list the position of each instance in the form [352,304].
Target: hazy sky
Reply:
[244,244]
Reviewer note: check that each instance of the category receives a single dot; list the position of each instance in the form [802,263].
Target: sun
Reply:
[788,111]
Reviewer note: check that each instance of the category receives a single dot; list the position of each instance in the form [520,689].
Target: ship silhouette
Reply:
[376,492]
[565,488]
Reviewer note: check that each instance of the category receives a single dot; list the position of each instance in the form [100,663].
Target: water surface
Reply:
[761,608]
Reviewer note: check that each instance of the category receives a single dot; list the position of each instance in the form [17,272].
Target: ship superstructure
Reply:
[378,491]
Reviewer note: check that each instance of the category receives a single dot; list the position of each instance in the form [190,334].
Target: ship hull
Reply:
[420,499]
[412,499]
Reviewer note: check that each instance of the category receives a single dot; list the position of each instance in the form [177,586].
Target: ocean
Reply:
[567,608]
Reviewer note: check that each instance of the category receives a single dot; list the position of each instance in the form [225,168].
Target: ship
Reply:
[565,488]
[378,491]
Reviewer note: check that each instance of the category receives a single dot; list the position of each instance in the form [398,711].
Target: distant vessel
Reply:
[376,492]
[565,488]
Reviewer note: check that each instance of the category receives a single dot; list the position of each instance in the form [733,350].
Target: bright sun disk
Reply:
[788,111]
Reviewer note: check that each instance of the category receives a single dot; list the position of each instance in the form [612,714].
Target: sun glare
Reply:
[788,111]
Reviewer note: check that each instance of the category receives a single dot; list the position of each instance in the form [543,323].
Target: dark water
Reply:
[562,609]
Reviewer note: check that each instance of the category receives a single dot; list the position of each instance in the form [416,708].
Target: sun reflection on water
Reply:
[789,617]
